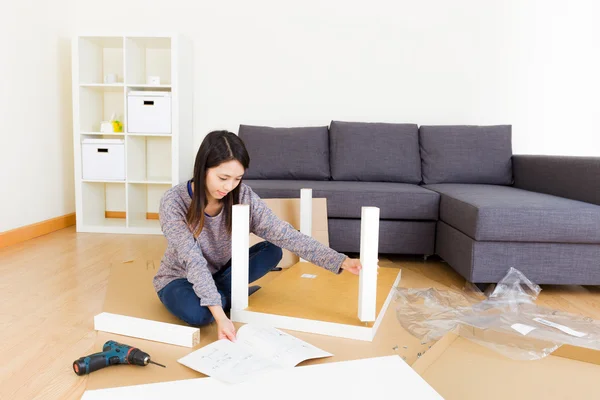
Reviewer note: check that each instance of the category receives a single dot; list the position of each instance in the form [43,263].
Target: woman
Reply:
[194,278]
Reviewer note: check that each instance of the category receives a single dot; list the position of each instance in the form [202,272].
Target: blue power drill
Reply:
[113,353]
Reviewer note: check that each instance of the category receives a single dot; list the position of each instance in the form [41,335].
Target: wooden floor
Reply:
[52,286]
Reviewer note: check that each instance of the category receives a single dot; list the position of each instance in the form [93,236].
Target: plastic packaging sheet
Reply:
[505,319]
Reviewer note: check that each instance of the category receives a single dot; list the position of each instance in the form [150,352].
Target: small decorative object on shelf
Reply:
[110,78]
[112,126]
[106,127]
[153,80]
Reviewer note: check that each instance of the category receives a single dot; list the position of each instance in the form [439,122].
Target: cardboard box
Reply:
[289,210]
[458,368]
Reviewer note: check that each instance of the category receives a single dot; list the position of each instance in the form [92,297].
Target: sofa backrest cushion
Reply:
[466,154]
[286,153]
[378,152]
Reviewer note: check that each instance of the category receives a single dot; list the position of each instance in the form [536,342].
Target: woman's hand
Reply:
[225,328]
[352,265]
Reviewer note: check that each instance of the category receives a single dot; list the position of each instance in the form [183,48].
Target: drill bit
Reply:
[152,362]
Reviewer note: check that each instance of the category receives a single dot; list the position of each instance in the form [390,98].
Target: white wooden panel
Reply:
[94,202]
[136,158]
[369,245]
[90,66]
[386,304]
[113,103]
[158,159]
[90,111]
[303,325]
[136,208]
[158,63]
[306,213]
[136,62]
[371,378]
[112,63]
[183,109]
[239,256]
[115,197]
[155,193]
[147,329]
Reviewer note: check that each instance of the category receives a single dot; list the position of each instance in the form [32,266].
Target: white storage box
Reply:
[103,159]
[148,112]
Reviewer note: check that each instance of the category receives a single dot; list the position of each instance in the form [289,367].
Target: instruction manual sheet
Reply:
[257,349]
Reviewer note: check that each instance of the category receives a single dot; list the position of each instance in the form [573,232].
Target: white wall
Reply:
[36,150]
[533,64]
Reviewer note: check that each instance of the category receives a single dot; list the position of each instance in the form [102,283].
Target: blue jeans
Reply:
[181,300]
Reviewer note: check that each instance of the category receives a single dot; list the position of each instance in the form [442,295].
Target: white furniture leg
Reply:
[239,256]
[306,213]
[369,246]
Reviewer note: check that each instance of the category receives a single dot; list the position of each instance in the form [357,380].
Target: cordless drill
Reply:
[113,353]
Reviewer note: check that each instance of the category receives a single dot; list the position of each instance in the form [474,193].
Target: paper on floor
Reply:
[258,349]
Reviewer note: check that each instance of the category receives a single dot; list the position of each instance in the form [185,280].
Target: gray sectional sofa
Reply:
[454,191]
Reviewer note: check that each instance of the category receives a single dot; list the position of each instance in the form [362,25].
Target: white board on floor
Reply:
[379,377]
[146,329]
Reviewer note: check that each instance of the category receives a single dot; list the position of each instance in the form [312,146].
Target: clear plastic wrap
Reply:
[507,320]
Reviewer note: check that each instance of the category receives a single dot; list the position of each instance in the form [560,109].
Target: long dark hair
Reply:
[216,148]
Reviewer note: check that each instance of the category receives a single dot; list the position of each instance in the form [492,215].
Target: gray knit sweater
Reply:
[198,259]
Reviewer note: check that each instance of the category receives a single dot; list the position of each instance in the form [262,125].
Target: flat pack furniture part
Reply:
[240,255]
[372,377]
[367,286]
[369,240]
[147,329]
[306,213]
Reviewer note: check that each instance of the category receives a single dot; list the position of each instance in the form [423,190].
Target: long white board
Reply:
[379,377]
[146,329]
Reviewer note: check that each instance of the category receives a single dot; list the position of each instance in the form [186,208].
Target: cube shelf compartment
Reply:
[143,204]
[154,162]
[100,201]
[99,57]
[148,57]
[149,159]
[99,103]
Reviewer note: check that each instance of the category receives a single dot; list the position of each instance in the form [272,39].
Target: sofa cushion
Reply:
[345,199]
[374,152]
[502,213]
[286,153]
[466,154]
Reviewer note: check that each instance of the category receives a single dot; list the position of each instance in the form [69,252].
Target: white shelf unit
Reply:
[153,162]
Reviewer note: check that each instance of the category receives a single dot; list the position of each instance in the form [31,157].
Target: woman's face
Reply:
[223,178]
